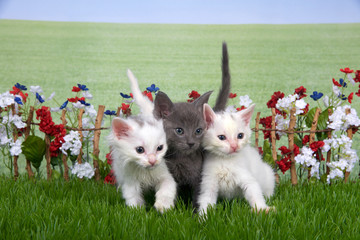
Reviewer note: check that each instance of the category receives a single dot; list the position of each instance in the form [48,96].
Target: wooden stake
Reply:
[273,141]
[15,136]
[312,134]
[48,157]
[27,133]
[257,130]
[292,123]
[81,112]
[350,135]
[64,157]
[118,112]
[97,133]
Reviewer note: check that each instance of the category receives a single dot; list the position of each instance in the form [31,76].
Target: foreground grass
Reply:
[89,210]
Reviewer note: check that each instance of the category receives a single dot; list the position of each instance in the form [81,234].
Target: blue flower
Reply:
[21,87]
[152,88]
[342,96]
[342,82]
[316,95]
[85,103]
[110,113]
[125,95]
[82,87]
[18,100]
[64,104]
[38,97]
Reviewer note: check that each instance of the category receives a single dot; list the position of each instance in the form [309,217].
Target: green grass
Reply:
[89,210]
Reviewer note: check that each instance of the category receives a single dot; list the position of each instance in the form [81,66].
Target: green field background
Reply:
[177,58]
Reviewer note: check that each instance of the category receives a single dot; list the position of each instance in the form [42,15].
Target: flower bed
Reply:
[321,134]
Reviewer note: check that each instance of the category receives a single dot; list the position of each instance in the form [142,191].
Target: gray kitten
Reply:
[184,126]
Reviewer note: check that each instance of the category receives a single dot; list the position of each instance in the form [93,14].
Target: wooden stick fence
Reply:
[97,132]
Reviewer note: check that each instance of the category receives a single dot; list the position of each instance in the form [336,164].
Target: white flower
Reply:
[292,101]
[57,109]
[83,170]
[336,90]
[335,173]
[72,143]
[245,101]
[6,99]
[78,104]
[87,94]
[35,89]
[15,149]
[15,119]
[229,109]
[350,79]
[342,121]
[90,111]
[282,124]
[4,140]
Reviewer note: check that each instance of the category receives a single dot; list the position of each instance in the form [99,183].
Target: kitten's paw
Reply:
[163,206]
[265,209]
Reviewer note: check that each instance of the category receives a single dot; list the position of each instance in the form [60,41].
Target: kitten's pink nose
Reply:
[152,159]
[233,146]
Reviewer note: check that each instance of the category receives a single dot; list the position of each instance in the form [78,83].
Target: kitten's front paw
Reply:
[265,209]
[163,206]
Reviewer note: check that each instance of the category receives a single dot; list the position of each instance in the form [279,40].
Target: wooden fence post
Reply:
[64,157]
[15,136]
[48,156]
[97,133]
[27,133]
[350,135]
[81,112]
[312,133]
[257,130]
[273,141]
[292,123]
[118,112]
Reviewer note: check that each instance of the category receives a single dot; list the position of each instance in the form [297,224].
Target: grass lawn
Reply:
[88,210]
[178,59]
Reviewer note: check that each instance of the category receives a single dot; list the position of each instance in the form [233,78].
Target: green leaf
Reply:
[310,117]
[34,150]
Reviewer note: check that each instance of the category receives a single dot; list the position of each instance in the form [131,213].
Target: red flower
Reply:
[232,95]
[15,91]
[76,99]
[108,158]
[306,110]
[350,97]
[148,94]
[357,76]
[301,92]
[306,139]
[75,89]
[336,83]
[194,95]
[266,122]
[284,150]
[23,96]
[260,150]
[126,109]
[274,99]
[316,145]
[284,164]
[347,70]
[110,178]
[358,93]
[240,108]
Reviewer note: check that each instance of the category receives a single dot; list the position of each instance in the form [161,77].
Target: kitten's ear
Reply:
[163,105]
[120,127]
[199,102]
[247,113]
[209,115]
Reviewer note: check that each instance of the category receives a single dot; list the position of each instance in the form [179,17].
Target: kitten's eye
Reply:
[159,148]
[198,131]
[140,150]
[222,137]
[179,131]
[240,136]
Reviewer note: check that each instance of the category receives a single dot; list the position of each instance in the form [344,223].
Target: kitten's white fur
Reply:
[136,172]
[232,168]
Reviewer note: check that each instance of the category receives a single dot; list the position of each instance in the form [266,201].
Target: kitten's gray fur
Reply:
[184,157]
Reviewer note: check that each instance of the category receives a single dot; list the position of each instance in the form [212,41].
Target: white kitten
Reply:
[138,145]
[232,168]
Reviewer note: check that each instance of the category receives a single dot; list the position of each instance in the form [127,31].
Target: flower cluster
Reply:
[50,128]
[71,142]
[244,102]
[110,177]
[82,170]
[193,95]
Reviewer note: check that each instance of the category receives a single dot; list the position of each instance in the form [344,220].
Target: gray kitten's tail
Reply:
[146,106]
[223,95]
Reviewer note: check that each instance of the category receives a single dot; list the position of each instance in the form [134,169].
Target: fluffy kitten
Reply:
[138,146]
[184,125]
[232,167]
